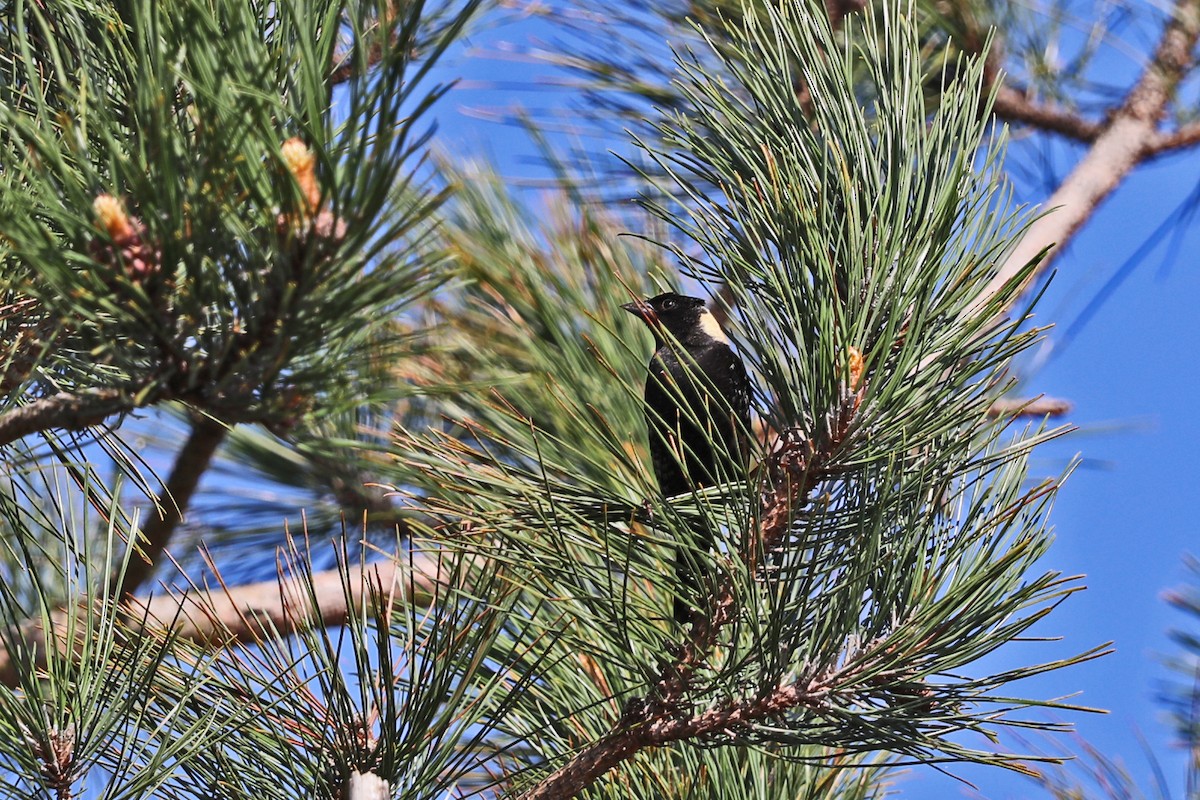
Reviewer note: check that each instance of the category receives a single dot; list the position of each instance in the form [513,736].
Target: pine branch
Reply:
[915,558]
[191,462]
[77,411]
[124,270]
[623,744]
[662,716]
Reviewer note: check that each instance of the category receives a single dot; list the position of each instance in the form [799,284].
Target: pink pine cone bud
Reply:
[128,247]
[302,164]
[112,218]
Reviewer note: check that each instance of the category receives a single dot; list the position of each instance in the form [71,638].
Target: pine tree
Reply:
[222,210]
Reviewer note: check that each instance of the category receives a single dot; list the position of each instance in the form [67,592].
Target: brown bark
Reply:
[598,758]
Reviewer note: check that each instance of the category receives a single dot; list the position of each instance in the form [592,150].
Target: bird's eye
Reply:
[669,304]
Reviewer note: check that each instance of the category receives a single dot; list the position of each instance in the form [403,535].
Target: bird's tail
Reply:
[694,571]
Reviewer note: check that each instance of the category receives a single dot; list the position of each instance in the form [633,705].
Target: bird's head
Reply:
[686,319]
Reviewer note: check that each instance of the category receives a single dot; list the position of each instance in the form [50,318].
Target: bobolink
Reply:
[697,404]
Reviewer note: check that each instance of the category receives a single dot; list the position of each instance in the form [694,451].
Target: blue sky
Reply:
[1127,515]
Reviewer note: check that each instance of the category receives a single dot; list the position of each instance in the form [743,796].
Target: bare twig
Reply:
[1012,105]
[382,36]
[1168,141]
[1037,407]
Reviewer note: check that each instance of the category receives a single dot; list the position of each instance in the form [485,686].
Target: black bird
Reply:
[697,404]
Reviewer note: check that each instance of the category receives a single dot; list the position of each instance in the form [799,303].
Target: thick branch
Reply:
[1127,139]
[591,762]
[190,464]
[63,411]
[248,613]
[221,616]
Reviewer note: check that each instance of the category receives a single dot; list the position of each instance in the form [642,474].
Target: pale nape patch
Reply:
[709,324]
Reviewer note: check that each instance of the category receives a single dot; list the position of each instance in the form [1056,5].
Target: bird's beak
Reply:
[642,309]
